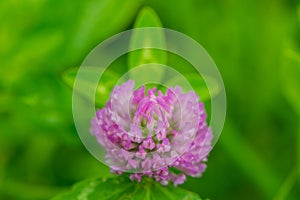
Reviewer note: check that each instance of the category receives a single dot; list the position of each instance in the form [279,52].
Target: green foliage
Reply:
[40,152]
[123,188]
[39,40]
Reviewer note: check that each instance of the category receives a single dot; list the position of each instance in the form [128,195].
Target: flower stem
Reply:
[298,148]
[287,185]
[290,181]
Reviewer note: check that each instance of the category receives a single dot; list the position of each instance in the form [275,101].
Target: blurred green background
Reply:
[255,44]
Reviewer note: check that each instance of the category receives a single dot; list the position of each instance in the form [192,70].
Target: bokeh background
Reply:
[255,44]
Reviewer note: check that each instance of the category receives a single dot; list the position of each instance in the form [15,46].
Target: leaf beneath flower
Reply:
[123,188]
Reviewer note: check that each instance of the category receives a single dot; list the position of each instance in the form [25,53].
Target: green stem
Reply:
[298,149]
[290,181]
[249,160]
[287,185]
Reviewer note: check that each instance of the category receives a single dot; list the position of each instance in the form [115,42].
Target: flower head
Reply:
[148,133]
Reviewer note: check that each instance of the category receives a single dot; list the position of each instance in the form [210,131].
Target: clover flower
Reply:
[148,133]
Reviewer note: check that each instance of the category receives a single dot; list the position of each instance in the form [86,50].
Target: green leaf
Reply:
[123,188]
[104,88]
[290,71]
[197,83]
[147,18]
